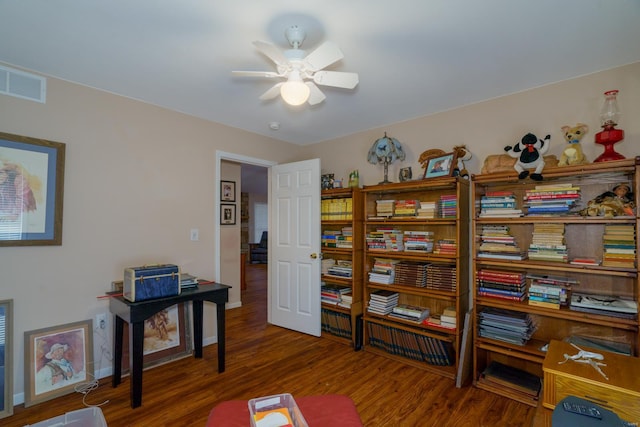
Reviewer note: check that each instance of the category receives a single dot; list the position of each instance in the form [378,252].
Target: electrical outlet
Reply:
[101,321]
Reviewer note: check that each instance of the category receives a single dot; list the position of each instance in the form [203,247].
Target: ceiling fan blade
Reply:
[271,51]
[272,93]
[326,54]
[256,74]
[336,79]
[316,96]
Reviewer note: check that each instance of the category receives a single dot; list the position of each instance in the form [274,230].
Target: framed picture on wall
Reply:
[31,191]
[227,214]
[227,191]
[57,359]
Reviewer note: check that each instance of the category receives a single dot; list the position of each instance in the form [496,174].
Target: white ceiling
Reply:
[414,57]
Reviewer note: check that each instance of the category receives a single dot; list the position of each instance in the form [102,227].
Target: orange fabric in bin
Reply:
[329,410]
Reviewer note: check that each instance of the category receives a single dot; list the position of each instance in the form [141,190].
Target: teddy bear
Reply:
[529,154]
[572,153]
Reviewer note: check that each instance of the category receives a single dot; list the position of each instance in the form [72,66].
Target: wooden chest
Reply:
[620,393]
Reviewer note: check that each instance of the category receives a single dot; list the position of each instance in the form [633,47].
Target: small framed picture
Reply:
[439,166]
[405,174]
[326,181]
[227,191]
[227,214]
[57,359]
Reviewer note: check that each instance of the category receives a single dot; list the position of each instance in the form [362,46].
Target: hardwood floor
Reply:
[263,359]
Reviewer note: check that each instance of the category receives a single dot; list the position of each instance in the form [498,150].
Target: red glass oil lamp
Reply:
[609,116]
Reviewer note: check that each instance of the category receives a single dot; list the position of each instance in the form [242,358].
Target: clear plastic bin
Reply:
[266,408]
[87,417]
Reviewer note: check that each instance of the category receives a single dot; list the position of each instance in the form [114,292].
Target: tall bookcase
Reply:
[581,264]
[433,277]
[342,247]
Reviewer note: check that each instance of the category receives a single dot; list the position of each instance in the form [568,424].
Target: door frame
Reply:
[238,158]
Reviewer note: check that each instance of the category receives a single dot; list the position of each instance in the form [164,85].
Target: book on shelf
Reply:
[513,378]
[608,305]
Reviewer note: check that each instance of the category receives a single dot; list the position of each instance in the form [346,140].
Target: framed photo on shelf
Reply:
[227,214]
[227,191]
[31,191]
[57,359]
[326,181]
[6,357]
[405,174]
[440,166]
[166,338]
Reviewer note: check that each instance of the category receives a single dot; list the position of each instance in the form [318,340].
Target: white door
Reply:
[294,247]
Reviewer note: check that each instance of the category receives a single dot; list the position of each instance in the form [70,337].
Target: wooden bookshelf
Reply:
[342,207]
[433,348]
[583,238]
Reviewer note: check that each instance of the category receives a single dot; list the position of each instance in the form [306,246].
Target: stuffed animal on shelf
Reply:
[617,202]
[462,154]
[572,153]
[529,154]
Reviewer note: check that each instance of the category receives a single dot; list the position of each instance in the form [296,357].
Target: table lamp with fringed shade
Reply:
[385,150]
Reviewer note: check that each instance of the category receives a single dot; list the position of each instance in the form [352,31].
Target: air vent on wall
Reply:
[23,85]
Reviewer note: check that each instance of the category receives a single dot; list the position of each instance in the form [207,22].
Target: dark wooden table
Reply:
[135,313]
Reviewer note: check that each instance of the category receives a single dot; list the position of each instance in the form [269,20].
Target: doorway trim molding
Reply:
[238,158]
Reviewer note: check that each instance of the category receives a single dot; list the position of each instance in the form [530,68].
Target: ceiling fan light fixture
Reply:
[295,92]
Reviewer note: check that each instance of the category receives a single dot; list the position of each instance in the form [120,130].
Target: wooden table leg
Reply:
[118,332]
[220,312]
[197,328]
[136,345]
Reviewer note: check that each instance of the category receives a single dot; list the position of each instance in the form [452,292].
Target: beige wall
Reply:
[138,178]
[486,127]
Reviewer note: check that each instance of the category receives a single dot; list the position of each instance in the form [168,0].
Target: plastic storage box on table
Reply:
[274,411]
[87,417]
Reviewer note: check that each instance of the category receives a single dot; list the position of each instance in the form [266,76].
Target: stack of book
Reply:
[346,299]
[409,313]
[336,209]
[548,243]
[343,268]
[448,318]
[326,264]
[441,277]
[606,305]
[516,380]
[385,239]
[551,199]
[406,208]
[332,294]
[382,302]
[619,246]
[336,323]
[383,271]
[188,281]
[411,273]
[506,325]
[446,247]
[384,208]
[509,285]
[496,241]
[418,241]
[498,204]
[427,210]
[448,206]
[549,291]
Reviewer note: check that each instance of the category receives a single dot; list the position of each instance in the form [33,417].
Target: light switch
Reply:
[195,234]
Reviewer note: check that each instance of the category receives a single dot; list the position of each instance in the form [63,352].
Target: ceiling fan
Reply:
[302,73]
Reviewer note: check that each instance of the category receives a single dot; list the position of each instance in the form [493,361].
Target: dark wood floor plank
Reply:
[264,359]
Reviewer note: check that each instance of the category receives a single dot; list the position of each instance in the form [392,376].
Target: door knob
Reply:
[314,255]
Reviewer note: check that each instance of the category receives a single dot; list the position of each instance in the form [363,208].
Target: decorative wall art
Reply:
[6,358]
[227,214]
[166,337]
[57,359]
[31,191]
[227,191]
